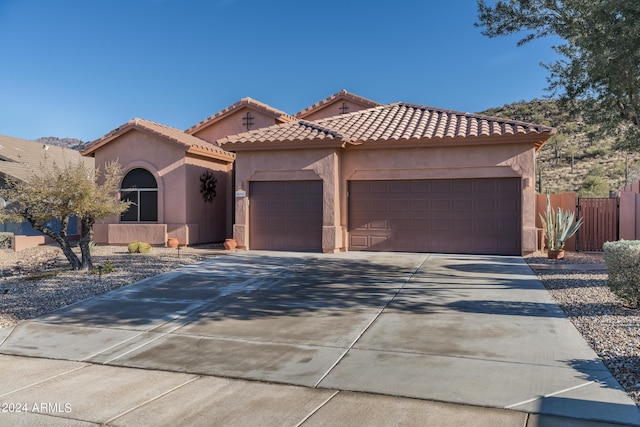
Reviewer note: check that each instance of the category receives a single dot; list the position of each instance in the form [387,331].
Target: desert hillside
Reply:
[573,160]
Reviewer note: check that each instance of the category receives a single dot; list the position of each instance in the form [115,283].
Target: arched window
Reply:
[140,188]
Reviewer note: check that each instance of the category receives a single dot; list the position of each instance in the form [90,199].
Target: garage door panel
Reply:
[462,186]
[417,205]
[441,206]
[399,187]
[456,215]
[285,215]
[463,205]
[418,187]
[402,205]
[441,186]
[378,205]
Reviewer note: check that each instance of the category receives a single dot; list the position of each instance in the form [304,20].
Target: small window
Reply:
[140,188]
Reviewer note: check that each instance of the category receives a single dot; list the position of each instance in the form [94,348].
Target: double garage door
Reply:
[477,216]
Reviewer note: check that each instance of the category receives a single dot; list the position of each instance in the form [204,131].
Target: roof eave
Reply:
[224,156]
[534,138]
[91,147]
[284,145]
[250,103]
[343,94]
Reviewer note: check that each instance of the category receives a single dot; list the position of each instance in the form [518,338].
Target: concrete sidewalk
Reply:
[286,338]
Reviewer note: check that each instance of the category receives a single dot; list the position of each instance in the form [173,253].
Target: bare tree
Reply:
[60,194]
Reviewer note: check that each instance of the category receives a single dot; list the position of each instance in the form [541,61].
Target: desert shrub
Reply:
[139,247]
[597,150]
[5,240]
[105,268]
[594,186]
[623,265]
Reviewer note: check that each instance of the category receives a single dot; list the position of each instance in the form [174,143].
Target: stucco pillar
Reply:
[628,203]
[240,228]
[331,231]
[529,242]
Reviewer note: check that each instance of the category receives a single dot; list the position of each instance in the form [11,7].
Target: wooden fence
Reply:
[601,219]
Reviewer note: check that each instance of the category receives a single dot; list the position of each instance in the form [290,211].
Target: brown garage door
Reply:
[285,215]
[476,216]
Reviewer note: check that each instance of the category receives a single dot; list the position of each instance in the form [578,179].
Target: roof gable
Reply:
[342,102]
[248,103]
[394,123]
[189,143]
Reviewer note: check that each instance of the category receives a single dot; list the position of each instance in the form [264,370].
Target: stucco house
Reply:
[162,168]
[396,177]
[346,173]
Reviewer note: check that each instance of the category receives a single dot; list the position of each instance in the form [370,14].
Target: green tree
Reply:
[600,65]
[594,185]
[63,192]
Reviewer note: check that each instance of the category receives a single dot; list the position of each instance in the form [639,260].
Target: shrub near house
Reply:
[623,264]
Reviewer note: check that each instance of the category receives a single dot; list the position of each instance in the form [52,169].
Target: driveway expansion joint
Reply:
[151,400]
[378,314]
[304,420]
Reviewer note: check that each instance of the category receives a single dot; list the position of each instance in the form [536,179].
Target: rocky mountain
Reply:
[573,159]
[72,143]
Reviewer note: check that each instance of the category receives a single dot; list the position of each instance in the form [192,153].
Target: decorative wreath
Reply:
[208,186]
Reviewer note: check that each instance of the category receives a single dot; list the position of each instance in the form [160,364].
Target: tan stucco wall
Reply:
[180,206]
[333,109]
[629,215]
[337,166]
[213,219]
[234,123]
[286,165]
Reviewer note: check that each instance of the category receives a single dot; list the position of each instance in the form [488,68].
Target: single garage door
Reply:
[475,216]
[285,215]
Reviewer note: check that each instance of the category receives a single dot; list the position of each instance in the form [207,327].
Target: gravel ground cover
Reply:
[38,280]
[611,328]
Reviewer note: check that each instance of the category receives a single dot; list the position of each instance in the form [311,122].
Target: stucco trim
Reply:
[537,140]
[203,152]
[434,173]
[297,144]
[286,175]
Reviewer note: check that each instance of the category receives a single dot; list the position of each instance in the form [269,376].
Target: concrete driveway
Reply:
[471,330]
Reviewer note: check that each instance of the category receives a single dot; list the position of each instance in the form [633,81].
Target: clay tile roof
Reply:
[343,94]
[300,130]
[394,122]
[189,142]
[278,115]
[20,158]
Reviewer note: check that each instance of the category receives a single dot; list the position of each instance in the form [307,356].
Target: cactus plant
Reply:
[558,226]
[144,248]
[133,247]
[139,247]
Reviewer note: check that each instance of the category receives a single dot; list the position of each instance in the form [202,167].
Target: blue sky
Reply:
[79,68]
